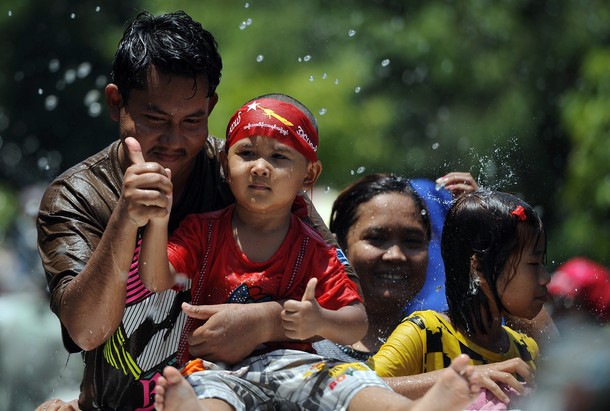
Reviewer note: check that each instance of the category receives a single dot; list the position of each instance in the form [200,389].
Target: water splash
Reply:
[495,169]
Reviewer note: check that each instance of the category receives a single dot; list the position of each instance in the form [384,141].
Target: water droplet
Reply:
[327,189]
[324,76]
[260,58]
[336,82]
[40,92]
[360,169]
[95,109]
[311,78]
[10,13]
[50,103]
[83,70]
[351,33]
[307,58]
[92,96]
[97,9]
[54,65]
[70,76]
[245,24]
[247,5]
[72,16]
[385,63]
[435,146]
[322,111]
[357,90]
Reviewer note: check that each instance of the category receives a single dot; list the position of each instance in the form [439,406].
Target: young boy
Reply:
[258,250]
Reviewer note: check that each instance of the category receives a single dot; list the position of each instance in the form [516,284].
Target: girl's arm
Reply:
[156,272]
[490,377]
[306,319]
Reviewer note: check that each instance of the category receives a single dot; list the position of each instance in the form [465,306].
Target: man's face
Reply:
[170,120]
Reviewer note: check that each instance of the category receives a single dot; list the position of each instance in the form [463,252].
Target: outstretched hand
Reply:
[301,319]
[147,187]
[492,375]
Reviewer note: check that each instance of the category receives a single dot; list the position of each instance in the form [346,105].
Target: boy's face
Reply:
[266,175]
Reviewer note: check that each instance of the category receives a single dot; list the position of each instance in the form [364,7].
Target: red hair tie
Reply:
[519,211]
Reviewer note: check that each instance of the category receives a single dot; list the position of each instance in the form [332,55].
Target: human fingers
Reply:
[491,383]
[310,290]
[201,312]
[58,405]
[134,150]
[458,182]
[498,375]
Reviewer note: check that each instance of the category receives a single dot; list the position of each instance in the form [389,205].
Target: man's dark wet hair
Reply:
[174,43]
[344,212]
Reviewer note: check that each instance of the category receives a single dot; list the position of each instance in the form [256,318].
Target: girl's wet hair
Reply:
[174,43]
[345,208]
[482,224]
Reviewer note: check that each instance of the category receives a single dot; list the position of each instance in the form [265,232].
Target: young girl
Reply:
[494,249]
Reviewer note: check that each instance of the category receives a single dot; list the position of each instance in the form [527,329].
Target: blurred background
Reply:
[517,92]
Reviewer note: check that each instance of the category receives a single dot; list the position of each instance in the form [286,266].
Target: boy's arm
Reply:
[156,272]
[306,319]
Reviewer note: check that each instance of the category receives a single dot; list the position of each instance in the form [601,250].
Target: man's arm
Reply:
[91,304]
[229,334]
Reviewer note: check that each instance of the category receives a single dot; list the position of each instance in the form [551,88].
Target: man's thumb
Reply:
[200,312]
[310,291]
[134,150]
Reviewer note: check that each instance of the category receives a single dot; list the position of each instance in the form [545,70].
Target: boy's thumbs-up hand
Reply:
[310,290]
[301,319]
[147,188]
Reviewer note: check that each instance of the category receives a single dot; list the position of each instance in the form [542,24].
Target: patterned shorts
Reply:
[284,380]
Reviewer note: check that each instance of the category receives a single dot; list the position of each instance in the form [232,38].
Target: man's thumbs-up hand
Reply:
[147,188]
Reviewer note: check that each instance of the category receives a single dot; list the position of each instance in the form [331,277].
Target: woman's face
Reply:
[388,248]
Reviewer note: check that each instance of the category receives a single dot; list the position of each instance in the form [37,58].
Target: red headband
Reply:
[276,119]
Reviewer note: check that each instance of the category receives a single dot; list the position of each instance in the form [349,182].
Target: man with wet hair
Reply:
[163,89]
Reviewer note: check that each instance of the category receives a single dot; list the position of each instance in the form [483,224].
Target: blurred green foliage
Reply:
[515,91]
